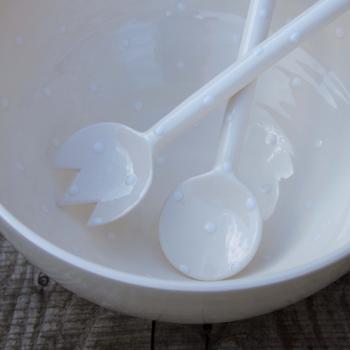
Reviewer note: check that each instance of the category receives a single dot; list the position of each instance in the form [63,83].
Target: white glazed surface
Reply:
[56,61]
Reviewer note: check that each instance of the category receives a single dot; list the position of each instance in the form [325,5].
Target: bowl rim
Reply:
[160,284]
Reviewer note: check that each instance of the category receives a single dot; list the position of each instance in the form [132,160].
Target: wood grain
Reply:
[44,315]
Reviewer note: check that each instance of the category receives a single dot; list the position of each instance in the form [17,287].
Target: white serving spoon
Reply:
[116,162]
[210,228]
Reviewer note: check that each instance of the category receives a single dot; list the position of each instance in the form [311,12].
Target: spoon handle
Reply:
[243,72]
[239,106]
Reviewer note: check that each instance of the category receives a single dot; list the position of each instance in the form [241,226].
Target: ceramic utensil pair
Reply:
[115,163]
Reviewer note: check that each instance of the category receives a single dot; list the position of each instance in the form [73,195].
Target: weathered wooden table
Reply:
[36,313]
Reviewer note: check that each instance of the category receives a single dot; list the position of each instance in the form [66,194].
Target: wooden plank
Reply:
[178,337]
[319,322]
[32,317]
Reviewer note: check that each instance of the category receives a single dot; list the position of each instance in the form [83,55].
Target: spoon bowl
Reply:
[115,167]
[210,228]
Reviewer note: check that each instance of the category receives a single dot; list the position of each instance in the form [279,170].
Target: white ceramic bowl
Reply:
[65,64]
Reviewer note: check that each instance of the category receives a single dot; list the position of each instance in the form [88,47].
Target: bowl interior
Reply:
[67,64]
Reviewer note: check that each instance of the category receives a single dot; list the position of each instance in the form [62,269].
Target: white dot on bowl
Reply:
[178,196]
[46,91]
[251,203]
[93,87]
[184,268]
[318,143]
[180,64]
[131,180]
[138,105]
[271,139]
[295,37]
[4,102]
[339,32]
[168,13]
[45,209]
[62,29]
[19,166]
[73,190]
[295,82]
[199,16]
[99,147]
[181,6]
[210,227]
[19,40]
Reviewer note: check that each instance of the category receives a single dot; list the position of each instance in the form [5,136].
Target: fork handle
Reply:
[239,106]
[245,71]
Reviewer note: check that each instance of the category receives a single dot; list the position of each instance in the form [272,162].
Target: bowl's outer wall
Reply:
[157,303]
[170,305]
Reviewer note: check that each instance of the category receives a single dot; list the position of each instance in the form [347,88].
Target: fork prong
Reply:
[108,211]
[82,190]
